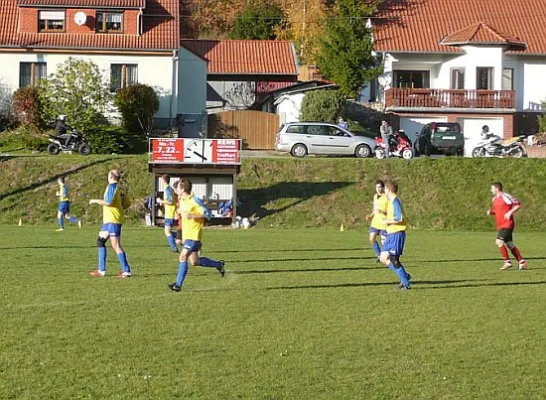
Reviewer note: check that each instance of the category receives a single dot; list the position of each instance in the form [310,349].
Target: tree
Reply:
[138,104]
[345,54]
[542,119]
[77,90]
[6,106]
[323,105]
[258,21]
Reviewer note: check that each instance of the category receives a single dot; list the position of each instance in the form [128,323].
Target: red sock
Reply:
[504,253]
[516,253]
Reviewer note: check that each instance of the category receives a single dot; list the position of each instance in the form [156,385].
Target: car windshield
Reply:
[446,127]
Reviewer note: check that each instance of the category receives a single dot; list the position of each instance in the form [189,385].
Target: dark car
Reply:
[440,138]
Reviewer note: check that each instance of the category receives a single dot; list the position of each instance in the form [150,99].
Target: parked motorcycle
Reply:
[495,146]
[76,143]
[401,144]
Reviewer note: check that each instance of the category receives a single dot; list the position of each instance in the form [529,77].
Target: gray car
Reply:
[302,138]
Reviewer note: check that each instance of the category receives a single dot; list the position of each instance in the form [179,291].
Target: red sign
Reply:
[226,151]
[168,150]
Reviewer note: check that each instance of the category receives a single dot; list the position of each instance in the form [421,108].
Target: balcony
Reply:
[454,99]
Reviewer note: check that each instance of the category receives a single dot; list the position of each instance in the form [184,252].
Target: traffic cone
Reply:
[342,228]
[20,221]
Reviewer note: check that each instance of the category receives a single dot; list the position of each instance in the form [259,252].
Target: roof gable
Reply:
[420,25]
[480,34]
[245,57]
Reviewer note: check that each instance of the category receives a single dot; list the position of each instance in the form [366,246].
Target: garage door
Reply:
[472,128]
[413,125]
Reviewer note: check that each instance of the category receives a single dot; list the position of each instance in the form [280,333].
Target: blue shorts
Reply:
[192,246]
[114,230]
[381,232]
[394,244]
[64,207]
[171,223]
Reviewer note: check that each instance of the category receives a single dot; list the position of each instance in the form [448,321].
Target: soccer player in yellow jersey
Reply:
[169,203]
[114,203]
[193,214]
[64,206]
[393,247]
[379,212]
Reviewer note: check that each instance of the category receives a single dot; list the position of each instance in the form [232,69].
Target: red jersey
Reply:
[502,204]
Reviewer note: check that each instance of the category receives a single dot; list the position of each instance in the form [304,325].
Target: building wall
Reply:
[192,93]
[156,71]
[289,108]
[230,95]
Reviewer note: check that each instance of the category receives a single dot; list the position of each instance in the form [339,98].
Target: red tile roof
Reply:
[420,25]
[480,33]
[85,3]
[160,31]
[246,57]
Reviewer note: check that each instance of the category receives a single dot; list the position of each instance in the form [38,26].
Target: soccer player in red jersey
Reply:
[503,208]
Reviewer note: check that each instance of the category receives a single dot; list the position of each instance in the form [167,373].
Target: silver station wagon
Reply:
[303,138]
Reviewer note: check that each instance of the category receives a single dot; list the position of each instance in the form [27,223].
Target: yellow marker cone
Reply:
[341,228]
[20,221]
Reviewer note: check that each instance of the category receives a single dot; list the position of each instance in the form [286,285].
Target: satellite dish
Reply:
[80,18]
[384,80]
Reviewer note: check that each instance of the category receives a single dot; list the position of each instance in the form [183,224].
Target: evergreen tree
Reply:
[258,21]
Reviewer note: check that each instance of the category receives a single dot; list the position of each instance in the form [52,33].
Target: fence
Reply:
[257,129]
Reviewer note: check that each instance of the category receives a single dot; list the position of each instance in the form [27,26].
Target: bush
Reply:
[323,105]
[137,104]
[28,106]
[32,138]
[542,119]
[105,139]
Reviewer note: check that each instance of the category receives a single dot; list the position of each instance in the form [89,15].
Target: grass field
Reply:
[301,314]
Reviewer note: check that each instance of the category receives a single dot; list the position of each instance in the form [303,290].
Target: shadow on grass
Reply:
[289,250]
[367,284]
[468,260]
[286,271]
[305,259]
[255,200]
[482,285]
[51,179]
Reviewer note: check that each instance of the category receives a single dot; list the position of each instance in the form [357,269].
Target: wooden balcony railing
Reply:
[443,98]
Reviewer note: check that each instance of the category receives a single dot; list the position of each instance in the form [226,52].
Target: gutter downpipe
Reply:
[174,86]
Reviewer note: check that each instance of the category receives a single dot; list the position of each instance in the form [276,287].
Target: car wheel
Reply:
[363,151]
[428,148]
[53,149]
[299,151]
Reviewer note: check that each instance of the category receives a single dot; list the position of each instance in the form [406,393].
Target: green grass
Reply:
[448,194]
[301,314]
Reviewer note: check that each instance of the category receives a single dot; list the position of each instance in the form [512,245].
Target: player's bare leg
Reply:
[373,243]
[196,261]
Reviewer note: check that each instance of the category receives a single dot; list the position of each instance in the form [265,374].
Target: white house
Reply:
[131,41]
[287,102]
[476,62]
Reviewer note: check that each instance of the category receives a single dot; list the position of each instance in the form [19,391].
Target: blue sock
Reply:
[402,274]
[376,248]
[102,258]
[122,258]
[61,222]
[208,263]
[182,272]
[74,220]
[392,268]
[172,242]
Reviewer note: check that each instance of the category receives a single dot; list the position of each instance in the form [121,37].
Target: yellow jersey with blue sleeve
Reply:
[116,204]
[63,192]
[192,228]
[395,212]
[169,202]
[380,204]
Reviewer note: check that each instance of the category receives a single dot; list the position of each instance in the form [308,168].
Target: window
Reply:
[122,75]
[335,132]
[109,22]
[316,130]
[484,78]
[31,73]
[457,78]
[51,21]
[508,79]
[412,79]
[295,129]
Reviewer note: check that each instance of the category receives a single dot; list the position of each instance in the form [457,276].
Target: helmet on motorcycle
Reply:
[62,117]
[485,128]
